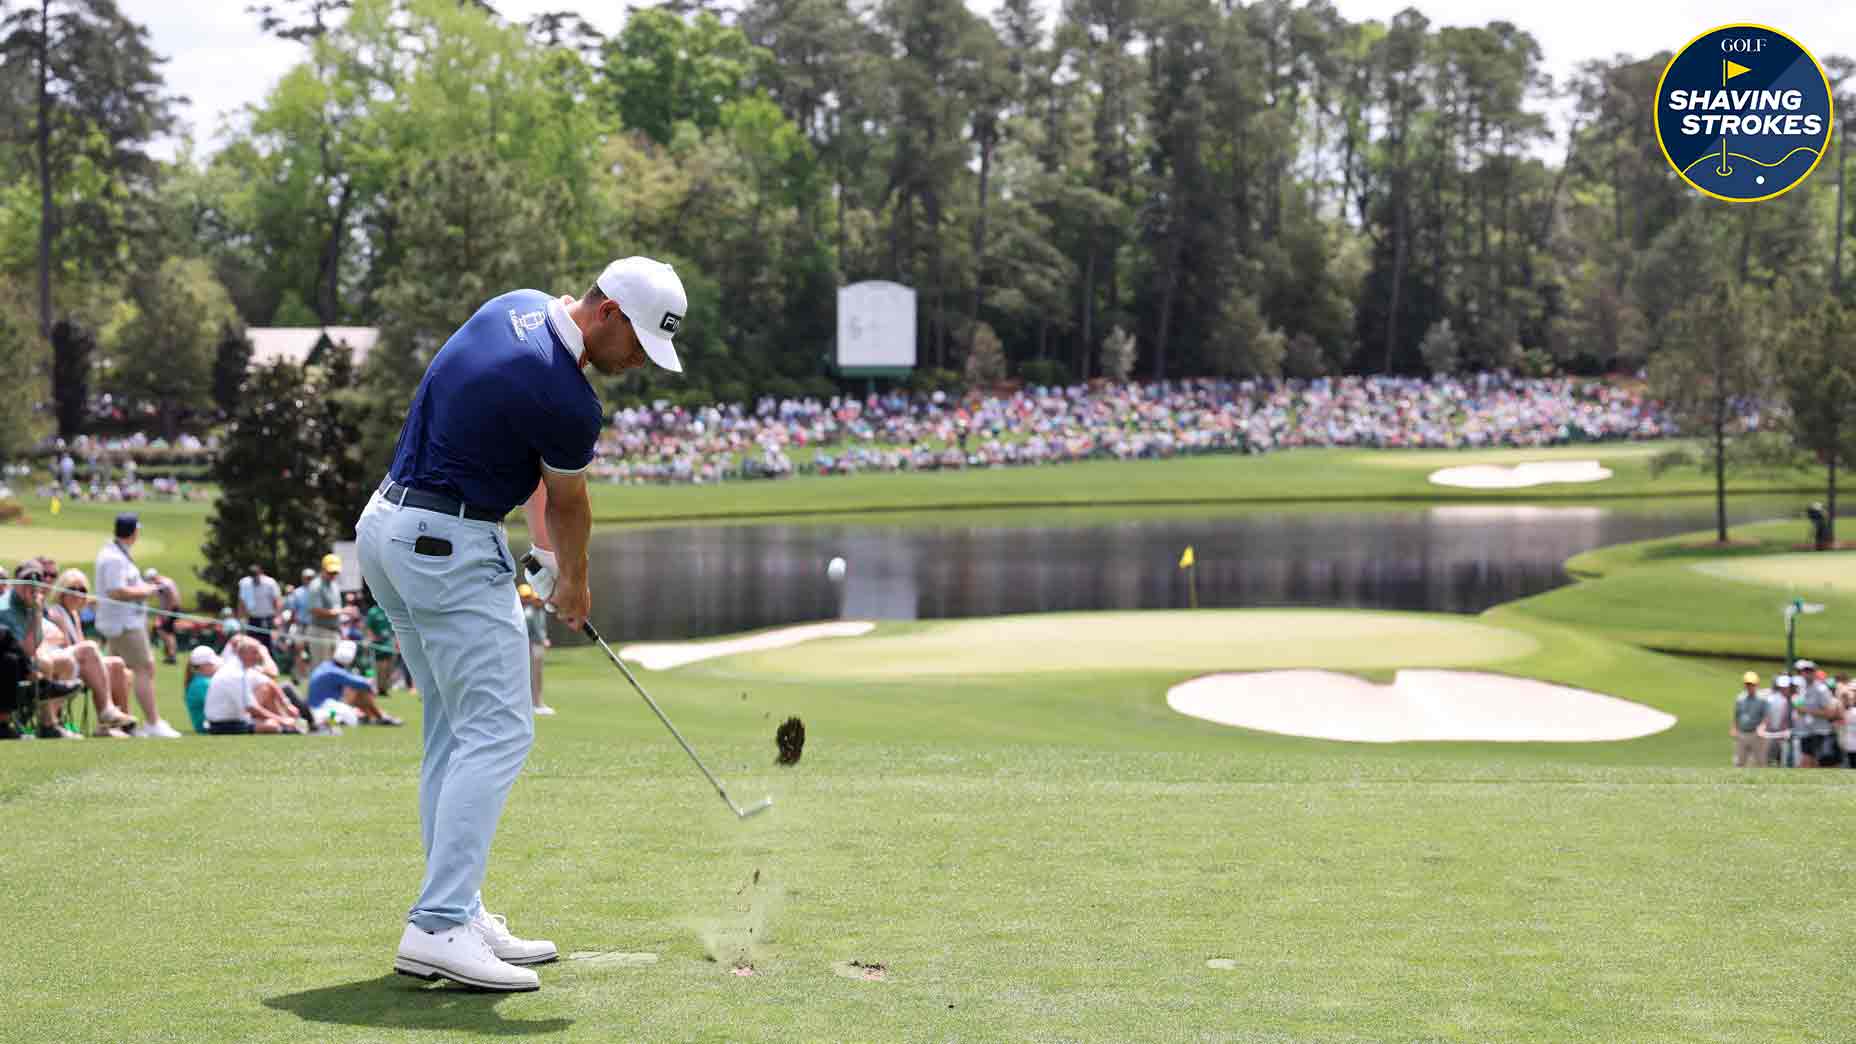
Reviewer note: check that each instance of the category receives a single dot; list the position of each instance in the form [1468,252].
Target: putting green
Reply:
[1182,642]
[68,547]
[1826,570]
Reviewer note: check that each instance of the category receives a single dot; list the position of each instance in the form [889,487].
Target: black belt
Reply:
[405,496]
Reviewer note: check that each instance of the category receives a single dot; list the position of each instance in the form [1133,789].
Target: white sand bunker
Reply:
[662,656]
[1539,473]
[1417,706]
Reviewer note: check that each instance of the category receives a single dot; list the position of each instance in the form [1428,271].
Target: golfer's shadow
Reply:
[396,1002]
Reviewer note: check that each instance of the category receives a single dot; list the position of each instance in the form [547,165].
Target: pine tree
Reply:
[269,510]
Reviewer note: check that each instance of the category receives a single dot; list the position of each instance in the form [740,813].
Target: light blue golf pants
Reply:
[460,627]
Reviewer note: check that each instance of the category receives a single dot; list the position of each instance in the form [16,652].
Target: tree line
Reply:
[1077,189]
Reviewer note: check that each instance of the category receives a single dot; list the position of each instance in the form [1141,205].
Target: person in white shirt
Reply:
[261,601]
[122,620]
[241,700]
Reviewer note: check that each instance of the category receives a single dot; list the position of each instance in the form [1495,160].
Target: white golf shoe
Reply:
[495,930]
[462,955]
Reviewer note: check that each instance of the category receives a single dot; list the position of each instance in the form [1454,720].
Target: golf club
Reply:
[742,813]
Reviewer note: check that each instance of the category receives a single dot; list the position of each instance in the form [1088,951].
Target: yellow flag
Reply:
[1186,560]
[1734,69]
[55,505]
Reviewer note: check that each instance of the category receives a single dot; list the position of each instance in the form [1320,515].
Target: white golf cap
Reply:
[202,656]
[344,652]
[652,297]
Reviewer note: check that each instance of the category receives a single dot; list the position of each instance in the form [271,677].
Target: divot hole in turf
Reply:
[867,971]
[613,958]
[1221,964]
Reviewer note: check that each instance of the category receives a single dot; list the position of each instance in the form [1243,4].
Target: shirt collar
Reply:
[566,329]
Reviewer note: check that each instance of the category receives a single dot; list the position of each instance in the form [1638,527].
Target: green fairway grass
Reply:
[1689,594]
[1050,855]
[171,535]
[1809,573]
[1146,641]
[1310,475]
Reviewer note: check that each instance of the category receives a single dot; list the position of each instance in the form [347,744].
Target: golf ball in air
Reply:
[836,569]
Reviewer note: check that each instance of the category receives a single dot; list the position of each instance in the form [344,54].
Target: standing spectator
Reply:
[324,602]
[1846,729]
[1776,730]
[122,620]
[379,630]
[260,600]
[1814,720]
[296,606]
[167,599]
[66,653]
[535,616]
[1749,713]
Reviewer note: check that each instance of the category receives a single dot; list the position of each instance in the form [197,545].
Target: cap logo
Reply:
[671,321]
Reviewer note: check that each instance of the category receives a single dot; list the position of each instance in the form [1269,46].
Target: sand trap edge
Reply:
[663,656]
[1420,706]
[1520,476]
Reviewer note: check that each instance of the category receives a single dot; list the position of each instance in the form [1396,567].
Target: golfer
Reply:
[504,416]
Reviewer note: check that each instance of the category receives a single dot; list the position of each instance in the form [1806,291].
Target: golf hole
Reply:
[613,958]
[867,971]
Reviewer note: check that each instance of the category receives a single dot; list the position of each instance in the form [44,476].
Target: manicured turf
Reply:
[1146,641]
[172,532]
[1809,573]
[1041,855]
[1688,594]
[1342,475]
[1035,857]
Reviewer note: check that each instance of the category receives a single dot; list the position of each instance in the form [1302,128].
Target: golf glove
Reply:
[543,573]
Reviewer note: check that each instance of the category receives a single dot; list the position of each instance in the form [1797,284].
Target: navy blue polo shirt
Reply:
[501,398]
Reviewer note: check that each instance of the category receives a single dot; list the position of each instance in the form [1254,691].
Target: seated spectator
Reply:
[332,680]
[202,663]
[21,626]
[66,654]
[241,699]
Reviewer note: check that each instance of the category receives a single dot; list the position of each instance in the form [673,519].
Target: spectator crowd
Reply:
[307,658]
[1806,719]
[1039,425]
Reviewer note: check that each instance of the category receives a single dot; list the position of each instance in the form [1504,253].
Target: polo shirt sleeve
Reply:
[565,438]
[350,680]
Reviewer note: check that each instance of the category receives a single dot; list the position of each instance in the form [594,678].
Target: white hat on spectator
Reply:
[203,656]
[344,652]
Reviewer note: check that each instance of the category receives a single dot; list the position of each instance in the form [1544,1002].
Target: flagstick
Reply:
[1192,583]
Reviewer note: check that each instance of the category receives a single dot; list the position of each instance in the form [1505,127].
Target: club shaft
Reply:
[655,709]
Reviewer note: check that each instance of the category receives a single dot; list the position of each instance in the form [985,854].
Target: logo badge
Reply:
[1743,113]
[671,321]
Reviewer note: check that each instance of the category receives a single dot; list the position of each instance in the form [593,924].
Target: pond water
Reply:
[694,581]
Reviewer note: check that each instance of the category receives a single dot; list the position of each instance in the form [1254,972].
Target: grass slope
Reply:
[1688,594]
[1036,857]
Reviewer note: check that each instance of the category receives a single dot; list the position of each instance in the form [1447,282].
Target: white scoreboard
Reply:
[876,329]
